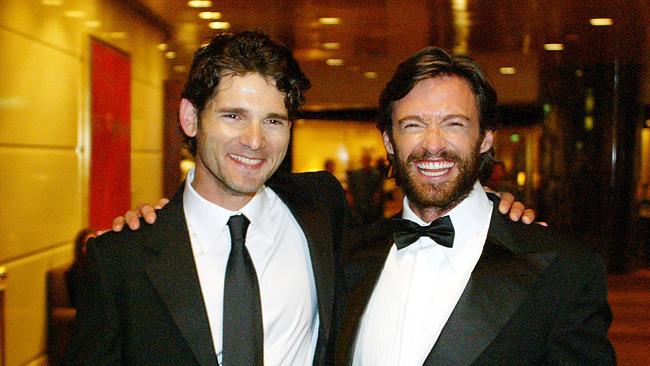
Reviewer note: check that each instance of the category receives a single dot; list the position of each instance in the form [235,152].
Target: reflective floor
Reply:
[629,295]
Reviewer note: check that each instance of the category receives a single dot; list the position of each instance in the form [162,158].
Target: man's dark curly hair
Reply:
[240,54]
[432,62]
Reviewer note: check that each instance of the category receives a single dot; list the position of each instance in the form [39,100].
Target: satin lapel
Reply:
[173,274]
[362,273]
[499,283]
[315,224]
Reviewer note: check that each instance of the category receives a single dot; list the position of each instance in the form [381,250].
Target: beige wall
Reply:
[44,134]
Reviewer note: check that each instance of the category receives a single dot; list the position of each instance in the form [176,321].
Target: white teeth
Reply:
[433,174]
[244,160]
[433,165]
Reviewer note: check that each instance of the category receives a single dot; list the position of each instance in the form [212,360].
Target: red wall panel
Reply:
[110,158]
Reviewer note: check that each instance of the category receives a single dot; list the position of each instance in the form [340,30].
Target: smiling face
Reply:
[242,138]
[436,143]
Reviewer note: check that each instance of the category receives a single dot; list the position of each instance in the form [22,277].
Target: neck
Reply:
[430,213]
[427,214]
[217,193]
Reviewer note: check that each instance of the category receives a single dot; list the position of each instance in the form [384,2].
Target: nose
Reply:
[253,136]
[433,140]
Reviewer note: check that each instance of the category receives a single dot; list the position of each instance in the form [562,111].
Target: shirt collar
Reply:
[471,218]
[208,220]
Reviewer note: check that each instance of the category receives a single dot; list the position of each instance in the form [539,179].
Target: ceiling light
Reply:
[331,45]
[370,75]
[162,47]
[553,46]
[329,21]
[117,35]
[180,68]
[93,24]
[199,3]
[75,13]
[601,22]
[335,61]
[52,2]
[507,70]
[219,25]
[170,55]
[214,15]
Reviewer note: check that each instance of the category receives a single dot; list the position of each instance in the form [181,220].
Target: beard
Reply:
[441,196]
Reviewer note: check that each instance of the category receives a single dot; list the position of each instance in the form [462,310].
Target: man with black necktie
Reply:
[450,282]
[174,293]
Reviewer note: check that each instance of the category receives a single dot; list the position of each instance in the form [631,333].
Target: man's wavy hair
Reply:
[432,62]
[240,54]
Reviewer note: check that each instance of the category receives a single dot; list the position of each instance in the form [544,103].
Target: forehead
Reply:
[253,85]
[447,94]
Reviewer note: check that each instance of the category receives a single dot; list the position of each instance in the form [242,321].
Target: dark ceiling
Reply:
[375,35]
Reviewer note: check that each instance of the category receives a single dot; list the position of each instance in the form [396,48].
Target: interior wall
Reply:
[344,142]
[44,142]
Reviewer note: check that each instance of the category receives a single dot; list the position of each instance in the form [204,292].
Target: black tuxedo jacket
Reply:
[532,299]
[141,302]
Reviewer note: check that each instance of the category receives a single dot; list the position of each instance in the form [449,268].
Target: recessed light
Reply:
[601,22]
[199,3]
[162,47]
[335,61]
[170,55]
[219,25]
[370,75]
[214,15]
[553,46]
[329,21]
[180,68]
[508,70]
[75,13]
[93,24]
[331,45]
[117,35]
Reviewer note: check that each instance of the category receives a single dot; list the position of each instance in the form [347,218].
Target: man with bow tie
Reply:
[451,282]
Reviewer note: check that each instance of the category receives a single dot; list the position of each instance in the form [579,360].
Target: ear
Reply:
[188,118]
[488,140]
[387,143]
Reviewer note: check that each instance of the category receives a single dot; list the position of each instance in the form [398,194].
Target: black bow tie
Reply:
[406,232]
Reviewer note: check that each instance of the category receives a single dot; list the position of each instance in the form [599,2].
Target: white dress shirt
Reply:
[279,251]
[419,287]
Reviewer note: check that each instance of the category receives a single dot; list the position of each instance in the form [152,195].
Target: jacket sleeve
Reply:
[580,335]
[95,339]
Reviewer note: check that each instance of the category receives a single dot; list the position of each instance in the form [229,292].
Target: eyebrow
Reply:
[410,118]
[237,110]
[452,116]
[422,120]
[277,116]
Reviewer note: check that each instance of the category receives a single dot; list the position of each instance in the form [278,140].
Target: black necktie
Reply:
[243,334]
[405,232]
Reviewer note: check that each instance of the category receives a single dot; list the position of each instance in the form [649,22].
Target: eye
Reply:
[456,123]
[277,122]
[411,125]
